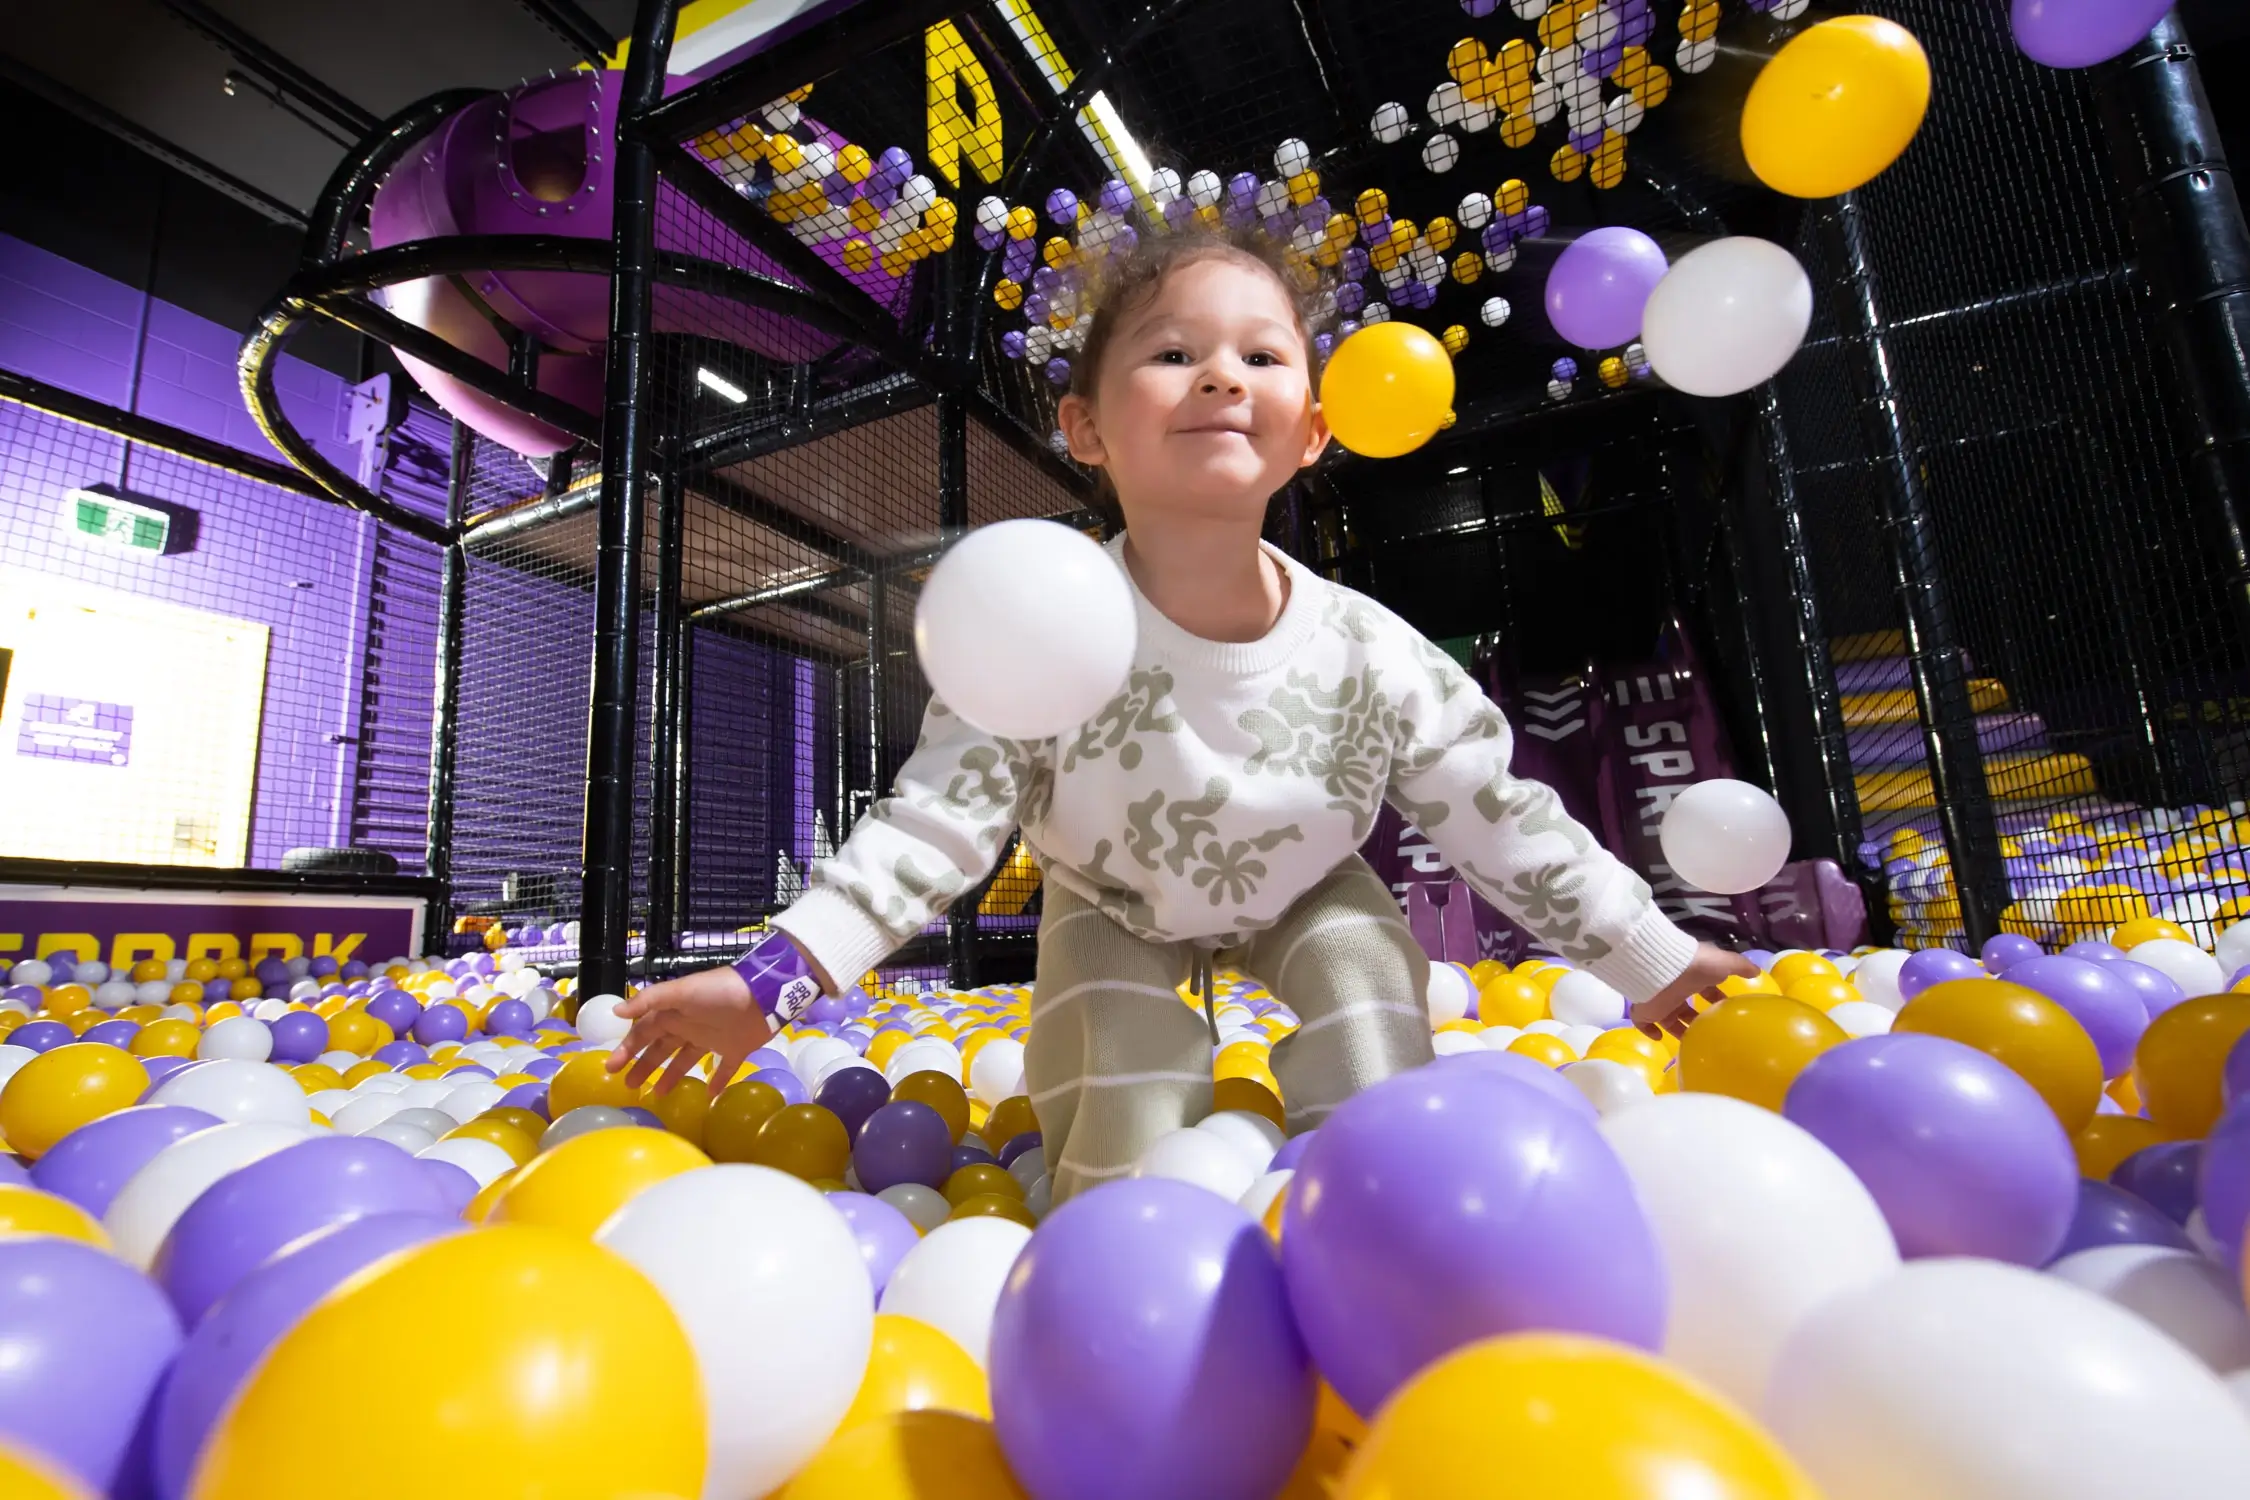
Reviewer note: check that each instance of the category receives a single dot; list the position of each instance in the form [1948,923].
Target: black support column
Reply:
[445,706]
[668,790]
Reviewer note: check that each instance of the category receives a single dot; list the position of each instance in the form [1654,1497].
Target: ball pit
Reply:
[1715,1256]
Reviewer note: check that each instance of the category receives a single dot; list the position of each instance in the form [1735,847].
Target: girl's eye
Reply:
[1172,357]
[1264,360]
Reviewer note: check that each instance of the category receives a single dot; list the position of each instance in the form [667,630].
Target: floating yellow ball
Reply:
[1836,106]
[1387,389]
[577,1380]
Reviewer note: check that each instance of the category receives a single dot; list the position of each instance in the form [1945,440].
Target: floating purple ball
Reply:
[988,239]
[2108,1008]
[91,1163]
[1182,1296]
[852,1094]
[1447,1205]
[1935,966]
[1565,369]
[1242,188]
[1601,284]
[902,1142]
[1011,343]
[1035,308]
[1058,371]
[1962,1156]
[2081,33]
[884,1234]
[298,1036]
[1116,197]
[2005,948]
[1062,208]
[2163,1175]
[1355,264]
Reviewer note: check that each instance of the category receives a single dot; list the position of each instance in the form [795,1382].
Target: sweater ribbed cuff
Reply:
[1651,954]
[836,935]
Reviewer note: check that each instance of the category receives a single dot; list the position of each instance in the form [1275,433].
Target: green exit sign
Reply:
[102,515]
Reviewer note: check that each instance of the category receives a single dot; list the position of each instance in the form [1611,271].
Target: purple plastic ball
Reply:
[1017,1144]
[323,967]
[1116,197]
[902,1142]
[2163,1175]
[884,1234]
[970,1154]
[1565,369]
[1242,188]
[1062,208]
[2223,1180]
[1448,1205]
[643,1117]
[1962,1156]
[531,1096]
[1011,343]
[2111,1012]
[271,971]
[509,1018]
[215,990]
[400,1054]
[91,1163]
[1181,1294]
[161,1068]
[2005,948]
[1935,966]
[440,1023]
[791,1087]
[395,1009]
[852,1094]
[2109,1215]
[2154,988]
[1058,371]
[112,1033]
[2094,950]
[354,969]
[1292,1151]
[42,1036]
[2234,1080]
[298,1036]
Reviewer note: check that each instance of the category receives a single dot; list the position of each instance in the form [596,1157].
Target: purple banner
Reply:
[79,729]
[38,920]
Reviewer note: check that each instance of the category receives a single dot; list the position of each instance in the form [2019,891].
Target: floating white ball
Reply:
[1440,152]
[1495,311]
[1025,629]
[1391,123]
[1726,837]
[599,1022]
[1727,317]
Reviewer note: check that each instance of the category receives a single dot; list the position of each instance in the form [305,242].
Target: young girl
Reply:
[1218,802]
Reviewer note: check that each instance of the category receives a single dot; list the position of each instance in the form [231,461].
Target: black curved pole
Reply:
[605,909]
[356,178]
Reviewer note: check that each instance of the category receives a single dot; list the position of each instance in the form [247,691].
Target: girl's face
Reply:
[1203,405]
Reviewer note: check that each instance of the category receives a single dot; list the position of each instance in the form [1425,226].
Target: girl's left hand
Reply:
[1668,1010]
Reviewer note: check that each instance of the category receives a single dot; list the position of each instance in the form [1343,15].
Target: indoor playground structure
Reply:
[1826,436]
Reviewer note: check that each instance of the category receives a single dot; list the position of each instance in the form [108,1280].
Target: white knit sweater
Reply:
[1224,782]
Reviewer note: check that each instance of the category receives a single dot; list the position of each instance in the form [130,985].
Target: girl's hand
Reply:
[1668,1010]
[675,1023]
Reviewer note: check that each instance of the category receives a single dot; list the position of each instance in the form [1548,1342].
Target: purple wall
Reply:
[299,567]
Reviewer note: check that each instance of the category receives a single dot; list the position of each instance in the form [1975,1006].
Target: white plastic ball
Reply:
[237,1089]
[1391,123]
[32,971]
[328,1101]
[598,1021]
[1863,1018]
[270,1010]
[244,1038]
[2234,947]
[952,1279]
[12,1058]
[925,1207]
[480,1159]
[1440,152]
[114,994]
[1254,1137]
[1204,188]
[1292,157]
[153,992]
[1199,1157]
[425,1093]
[2193,970]
[1446,1043]
[1262,1192]
[1876,977]
[1495,311]
[1727,316]
[1611,1087]
[1547,1026]
[1579,1038]
[409,1136]
[1723,836]
[1448,994]
[340,1060]
[152,1199]
[2180,1292]
[1375,312]
[1445,104]
[365,1112]
[996,1072]
[1474,211]
[298,968]
[1025,629]
[1164,186]
[382,1083]
[1580,999]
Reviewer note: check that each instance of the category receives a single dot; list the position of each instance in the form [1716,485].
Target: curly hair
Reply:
[1121,282]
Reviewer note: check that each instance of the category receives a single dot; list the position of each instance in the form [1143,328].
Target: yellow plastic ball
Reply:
[2106,1140]
[1821,994]
[584,1078]
[355,1031]
[2036,1038]
[804,1140]
[520,1144]
[1455,339]
[1623,1044]
[1835,106]
[940,1093]
[1240,1060]
[567,1339]
[1752,1047]
[914,1367]
[581,1182]
[908,1455]
[683,1111]
[1792,967]
[359,1072]
[1542,1048]
[58,1091]
[979,1178]
[1256,1094]
[1511,1000]
[2179,1059]
[147,971]
[313,1077]
[69,999]
[730,1130]
[1558,1415]
[171,1038]
[994,1206]
[26,1210]
[2148,930]
[1010,1118]
[1386,389]
[25,1476]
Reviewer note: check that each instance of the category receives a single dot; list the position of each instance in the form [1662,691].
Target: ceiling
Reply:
[160,68]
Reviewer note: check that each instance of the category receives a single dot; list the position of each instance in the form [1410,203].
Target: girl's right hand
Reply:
[679,1021]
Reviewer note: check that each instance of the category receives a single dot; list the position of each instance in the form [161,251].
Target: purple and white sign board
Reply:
[78,729]
[121,927]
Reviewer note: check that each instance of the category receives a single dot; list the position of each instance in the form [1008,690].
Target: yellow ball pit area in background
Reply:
[1554,1417]
[908,1455]
[576,1380]
[580,1183]
[58,1091]
[1387,389]
[26,1210]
